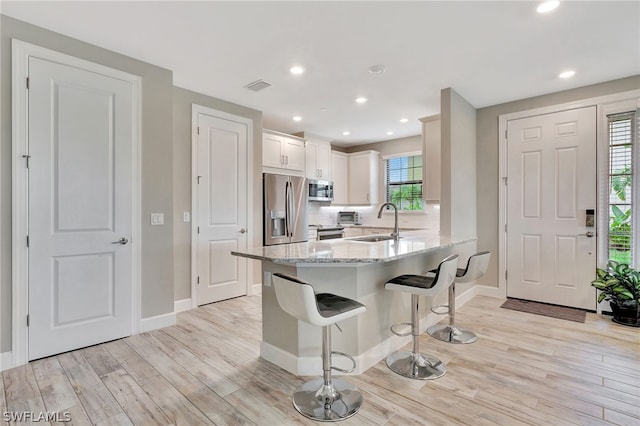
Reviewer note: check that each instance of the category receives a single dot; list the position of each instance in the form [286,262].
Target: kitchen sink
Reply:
[373,238]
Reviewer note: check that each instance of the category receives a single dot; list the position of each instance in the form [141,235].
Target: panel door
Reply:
[222,209]
[339,169]
[80,204]
[551,182]
[323,161]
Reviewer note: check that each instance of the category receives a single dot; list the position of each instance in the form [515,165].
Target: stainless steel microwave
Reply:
[320,190]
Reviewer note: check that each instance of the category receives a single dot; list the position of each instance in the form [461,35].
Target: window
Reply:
[403,182]
[621,135]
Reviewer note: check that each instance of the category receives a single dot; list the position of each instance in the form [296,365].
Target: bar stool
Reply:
[476,267]
[414,364]
[325,399]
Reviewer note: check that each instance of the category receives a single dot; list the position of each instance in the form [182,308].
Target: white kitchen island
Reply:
[353,269]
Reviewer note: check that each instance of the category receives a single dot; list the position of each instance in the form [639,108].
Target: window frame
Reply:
[603,210]
[385,181]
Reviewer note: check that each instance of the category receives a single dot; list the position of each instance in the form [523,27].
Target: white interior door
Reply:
[551,183]
[222,208]
[80,203]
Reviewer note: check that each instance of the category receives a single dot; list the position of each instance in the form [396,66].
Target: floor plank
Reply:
[206,370]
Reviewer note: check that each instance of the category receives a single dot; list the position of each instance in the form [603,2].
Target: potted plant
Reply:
[620,285]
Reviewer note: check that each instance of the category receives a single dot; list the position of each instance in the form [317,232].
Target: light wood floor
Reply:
[524,369]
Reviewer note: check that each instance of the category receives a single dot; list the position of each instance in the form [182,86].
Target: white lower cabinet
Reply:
[352,232]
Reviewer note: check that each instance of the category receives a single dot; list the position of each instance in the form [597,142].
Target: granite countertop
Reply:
[347,250]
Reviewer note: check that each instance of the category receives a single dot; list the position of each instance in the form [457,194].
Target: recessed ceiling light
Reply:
[376,69]
[323,109]
[297,118]
[404,120]
[567,74]
[547,6]
[296,70]
[346,133]
[361,99]
[389,133]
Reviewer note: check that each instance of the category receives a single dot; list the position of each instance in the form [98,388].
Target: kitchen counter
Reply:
[357,270]
[347,250]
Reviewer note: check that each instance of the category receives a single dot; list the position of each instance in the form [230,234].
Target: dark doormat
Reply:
[553,311]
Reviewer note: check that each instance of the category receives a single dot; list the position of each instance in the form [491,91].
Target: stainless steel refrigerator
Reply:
[285,209]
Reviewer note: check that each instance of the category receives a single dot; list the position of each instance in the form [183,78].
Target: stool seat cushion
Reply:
[330,305]
[420,281]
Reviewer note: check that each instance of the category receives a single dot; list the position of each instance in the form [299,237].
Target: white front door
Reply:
[222,207]
[551,184]
[80,207]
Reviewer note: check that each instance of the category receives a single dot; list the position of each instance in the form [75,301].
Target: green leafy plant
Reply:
[620,229]
[618,283]
[407,197]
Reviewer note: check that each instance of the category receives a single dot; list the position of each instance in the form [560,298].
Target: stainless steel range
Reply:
[329,232]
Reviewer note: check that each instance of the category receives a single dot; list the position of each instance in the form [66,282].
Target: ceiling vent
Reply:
[258,85]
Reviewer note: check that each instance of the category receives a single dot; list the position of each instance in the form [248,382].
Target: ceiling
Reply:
[490,52]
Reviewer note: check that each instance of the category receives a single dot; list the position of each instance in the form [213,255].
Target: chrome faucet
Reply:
[396,232]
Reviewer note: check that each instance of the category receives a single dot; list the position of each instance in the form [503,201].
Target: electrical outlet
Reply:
[157,218]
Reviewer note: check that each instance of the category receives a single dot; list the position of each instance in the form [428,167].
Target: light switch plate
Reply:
[186,217]
[157,218]
[267,279]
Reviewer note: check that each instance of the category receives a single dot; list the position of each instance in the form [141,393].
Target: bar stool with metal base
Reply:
[476,267]
[414,364]
[325,399]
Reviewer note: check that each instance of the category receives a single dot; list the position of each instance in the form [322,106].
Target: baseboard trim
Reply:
[256,289]
[158,321]
[6,361]
[182,305]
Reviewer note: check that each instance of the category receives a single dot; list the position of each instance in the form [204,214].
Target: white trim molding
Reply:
[21,52]
[158,321]
[182,305]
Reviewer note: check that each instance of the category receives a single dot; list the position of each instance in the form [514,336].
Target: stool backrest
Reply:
[296,297]
[476,267]
[446,272]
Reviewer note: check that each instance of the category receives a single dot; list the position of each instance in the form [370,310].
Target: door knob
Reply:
[242,231]
[588,234]
[122,241]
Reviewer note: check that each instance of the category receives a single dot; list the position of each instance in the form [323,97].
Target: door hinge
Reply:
[198,280]
[505,227]
[505,133]
[505,274]
[27,83]
[504,179]
[198,129]
[28,321]
[198,229]
[27,241]
[27,157]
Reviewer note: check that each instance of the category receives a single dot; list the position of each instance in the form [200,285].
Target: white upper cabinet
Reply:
[283,152]
[364,177]
[340,177]
[318,160]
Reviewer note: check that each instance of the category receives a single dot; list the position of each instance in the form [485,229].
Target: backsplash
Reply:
[326,215]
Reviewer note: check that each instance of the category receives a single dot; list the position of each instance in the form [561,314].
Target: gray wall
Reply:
[157,169]
[182,102]
[458,173]
[487,179]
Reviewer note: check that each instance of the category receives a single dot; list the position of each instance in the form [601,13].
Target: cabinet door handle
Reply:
[287,159]
[281,159]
